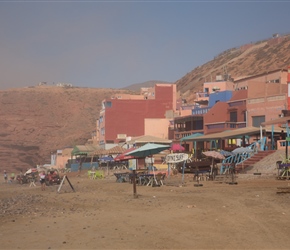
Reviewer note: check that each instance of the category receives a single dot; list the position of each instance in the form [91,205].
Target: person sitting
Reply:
[12,177]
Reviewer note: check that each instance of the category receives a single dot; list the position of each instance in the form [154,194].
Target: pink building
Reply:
[121,117]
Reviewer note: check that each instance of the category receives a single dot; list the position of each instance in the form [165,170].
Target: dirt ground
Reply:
[103,214]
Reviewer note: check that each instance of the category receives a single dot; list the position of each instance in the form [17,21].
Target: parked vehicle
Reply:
[26,178]
[52,177]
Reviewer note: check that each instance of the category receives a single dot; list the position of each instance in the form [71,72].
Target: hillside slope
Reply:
[247,60]
[37,120]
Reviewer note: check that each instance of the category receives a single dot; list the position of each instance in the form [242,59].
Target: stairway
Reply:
[253,159]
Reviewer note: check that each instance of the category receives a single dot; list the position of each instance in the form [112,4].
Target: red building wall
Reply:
[127,116]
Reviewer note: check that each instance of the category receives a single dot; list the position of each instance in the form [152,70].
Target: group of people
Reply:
[6,178]
[42,177]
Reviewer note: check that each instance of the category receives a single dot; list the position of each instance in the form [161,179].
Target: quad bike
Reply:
[52,177]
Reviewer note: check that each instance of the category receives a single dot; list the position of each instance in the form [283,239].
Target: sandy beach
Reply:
[103,214]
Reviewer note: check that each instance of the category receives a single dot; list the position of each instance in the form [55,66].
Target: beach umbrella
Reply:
[148,150]
[30,171]
[226,153]
[175,147]
[213,155]
[242,150]
[123,156]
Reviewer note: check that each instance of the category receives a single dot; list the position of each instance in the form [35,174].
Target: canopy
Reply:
[227,134]
[281,120]
[123,156]
[191,136]
[85,149]
[214,154]
[242,150]
[177,147]
[148,149]
[113,151]
[106,159]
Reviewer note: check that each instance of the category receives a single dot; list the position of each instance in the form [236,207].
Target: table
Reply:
[122,177]
[146,179]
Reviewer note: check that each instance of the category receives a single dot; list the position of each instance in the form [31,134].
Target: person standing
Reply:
[5,176]
[42,180]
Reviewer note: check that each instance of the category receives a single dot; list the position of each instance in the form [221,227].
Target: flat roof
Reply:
[229,134]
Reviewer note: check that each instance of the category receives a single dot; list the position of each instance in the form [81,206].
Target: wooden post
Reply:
[134,184]
[286,146]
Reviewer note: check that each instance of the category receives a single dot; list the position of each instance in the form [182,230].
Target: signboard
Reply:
[175,158]
[132,164]
[287,138]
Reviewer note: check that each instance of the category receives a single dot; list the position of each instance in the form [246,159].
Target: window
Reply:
[257,120]
[233,117]
[108,104]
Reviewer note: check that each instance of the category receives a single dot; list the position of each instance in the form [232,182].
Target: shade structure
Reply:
[30,171]
[85,149]
[148,149]
[123,156]
[242,150]
[106,159]
[226,153]
[191,136]
[176,147]
[114,150]
[213,155]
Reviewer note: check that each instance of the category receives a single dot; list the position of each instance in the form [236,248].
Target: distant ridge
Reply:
[137,86]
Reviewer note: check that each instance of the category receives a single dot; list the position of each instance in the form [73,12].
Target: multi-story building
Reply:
[246,102]
[131,116]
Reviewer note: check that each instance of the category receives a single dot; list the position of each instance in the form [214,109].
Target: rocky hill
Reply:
[37,120]
[249,59]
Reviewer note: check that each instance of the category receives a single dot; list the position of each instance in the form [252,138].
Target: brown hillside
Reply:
[38,120]
[247,60]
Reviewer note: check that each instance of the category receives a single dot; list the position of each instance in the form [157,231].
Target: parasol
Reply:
[226,153]
[242,150]
[148,149]
[213,155]
[123,156]
[176,147]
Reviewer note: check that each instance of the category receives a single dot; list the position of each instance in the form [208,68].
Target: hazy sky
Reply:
[114,44]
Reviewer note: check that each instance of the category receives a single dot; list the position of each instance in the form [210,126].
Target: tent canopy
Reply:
[85,149]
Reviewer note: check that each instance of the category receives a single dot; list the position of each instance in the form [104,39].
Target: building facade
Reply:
[124,116]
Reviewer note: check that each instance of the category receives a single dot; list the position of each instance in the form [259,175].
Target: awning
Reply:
[235,133]
[281,120]
[85,149]
[191,136]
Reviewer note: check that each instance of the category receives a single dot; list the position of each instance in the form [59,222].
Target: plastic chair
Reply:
[98,174]
[89,174]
